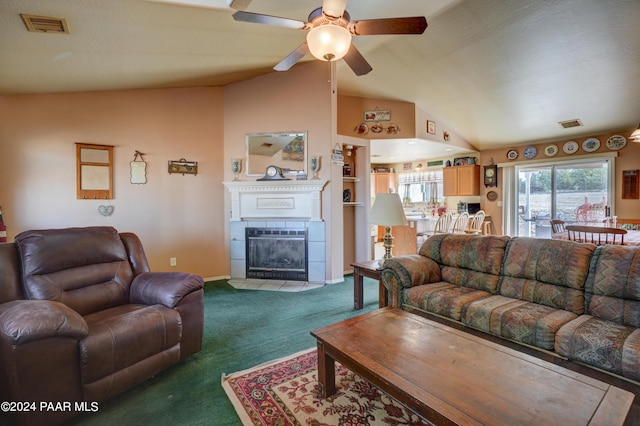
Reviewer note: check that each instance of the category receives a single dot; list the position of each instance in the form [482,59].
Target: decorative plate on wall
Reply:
[530,152]
[550,150]
[591,145]
[492,195]
[512,154]
[570,147]
[616,142]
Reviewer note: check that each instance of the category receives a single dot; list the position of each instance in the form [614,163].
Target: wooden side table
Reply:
[367,269]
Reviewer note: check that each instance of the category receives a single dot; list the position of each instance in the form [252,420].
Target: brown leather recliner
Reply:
[82,319]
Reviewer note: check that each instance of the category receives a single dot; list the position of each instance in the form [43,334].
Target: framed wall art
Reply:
[431,127]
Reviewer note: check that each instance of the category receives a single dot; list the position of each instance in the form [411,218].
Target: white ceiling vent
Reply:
[45,24]
[570,123]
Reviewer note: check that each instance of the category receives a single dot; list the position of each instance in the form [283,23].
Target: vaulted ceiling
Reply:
[498,72]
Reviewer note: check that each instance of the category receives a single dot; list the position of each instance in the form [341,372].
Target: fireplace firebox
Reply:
[277,253]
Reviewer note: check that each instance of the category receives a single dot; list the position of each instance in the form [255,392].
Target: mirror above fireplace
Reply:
[287,150]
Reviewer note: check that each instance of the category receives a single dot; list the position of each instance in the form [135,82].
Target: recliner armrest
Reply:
[23,321]
[166,288]
[408,271]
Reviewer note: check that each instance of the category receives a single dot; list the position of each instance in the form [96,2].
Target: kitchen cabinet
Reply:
[461,180]
[382,182]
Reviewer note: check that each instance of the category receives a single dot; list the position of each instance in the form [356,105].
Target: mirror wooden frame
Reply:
[94,171]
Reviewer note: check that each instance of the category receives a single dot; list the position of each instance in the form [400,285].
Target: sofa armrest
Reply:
[408,271]
[165,288]
[23,321]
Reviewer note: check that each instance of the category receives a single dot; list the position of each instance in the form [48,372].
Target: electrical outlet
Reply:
[173,261]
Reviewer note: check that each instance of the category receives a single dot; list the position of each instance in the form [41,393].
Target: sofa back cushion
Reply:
[613,285]
[471,261]
[547,272]
[84,268]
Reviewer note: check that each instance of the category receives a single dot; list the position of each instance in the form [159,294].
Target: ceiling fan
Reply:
[329,32]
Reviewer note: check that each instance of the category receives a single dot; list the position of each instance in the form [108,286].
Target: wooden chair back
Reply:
[460,225]
[443,224]
[596,234]
[557,226]
[475,223]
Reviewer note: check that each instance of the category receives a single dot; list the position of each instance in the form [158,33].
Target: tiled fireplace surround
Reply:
[277,204]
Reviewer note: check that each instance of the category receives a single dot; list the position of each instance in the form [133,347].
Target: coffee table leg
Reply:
[326,372]
[358,294]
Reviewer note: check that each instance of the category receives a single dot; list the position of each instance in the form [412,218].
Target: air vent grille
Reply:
[45,24]
[570,123]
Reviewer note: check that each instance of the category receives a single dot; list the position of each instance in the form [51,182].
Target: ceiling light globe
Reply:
[329,42]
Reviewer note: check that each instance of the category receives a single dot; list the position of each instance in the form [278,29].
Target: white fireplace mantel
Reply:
[276,199]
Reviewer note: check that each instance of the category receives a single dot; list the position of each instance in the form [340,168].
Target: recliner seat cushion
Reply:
[122,336]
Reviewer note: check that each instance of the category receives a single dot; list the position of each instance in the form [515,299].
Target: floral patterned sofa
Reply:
[576,301]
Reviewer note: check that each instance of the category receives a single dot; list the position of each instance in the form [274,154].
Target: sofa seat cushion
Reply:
[122,336]
[517,320]
[442,298]
[602,344]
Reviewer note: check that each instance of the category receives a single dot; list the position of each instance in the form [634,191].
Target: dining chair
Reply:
[557,225]
[475,223]
[461,223]
[443,224]
[595,234]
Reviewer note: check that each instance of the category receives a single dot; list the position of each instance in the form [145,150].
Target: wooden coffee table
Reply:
[451,377]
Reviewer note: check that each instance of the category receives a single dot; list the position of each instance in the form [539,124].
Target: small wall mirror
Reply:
[94,171]
[284,149]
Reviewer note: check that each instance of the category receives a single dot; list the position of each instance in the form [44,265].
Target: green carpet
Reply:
[243,328]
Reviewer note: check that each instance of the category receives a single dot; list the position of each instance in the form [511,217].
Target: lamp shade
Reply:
[329,42]
[387,210]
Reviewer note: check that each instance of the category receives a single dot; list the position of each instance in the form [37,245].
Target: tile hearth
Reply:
[273,285]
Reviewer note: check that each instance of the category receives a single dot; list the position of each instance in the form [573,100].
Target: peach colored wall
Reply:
[351,114]
[627,160]
[174,215]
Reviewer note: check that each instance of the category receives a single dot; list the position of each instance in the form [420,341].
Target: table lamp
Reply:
[387,211]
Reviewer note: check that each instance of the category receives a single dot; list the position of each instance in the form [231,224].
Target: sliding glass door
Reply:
[574,192]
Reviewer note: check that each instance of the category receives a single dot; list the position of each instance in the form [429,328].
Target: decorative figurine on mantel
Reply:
[236,165]
[315,166]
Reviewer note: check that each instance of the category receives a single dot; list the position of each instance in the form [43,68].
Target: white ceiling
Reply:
[497,72]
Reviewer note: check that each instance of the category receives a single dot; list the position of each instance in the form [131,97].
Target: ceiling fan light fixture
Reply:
[329,42]
[635,136]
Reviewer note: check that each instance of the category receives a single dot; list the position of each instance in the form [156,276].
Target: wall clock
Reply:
[491,175]
[274,173]
[530,152]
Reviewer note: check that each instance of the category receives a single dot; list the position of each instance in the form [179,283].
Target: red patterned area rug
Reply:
[286,392]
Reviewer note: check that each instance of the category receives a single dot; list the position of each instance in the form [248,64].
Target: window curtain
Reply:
[509,200]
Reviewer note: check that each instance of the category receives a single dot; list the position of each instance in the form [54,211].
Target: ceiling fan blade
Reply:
[257,18]
[409,25]
[356,61]
[292,58]
[239,4]
[334,8]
